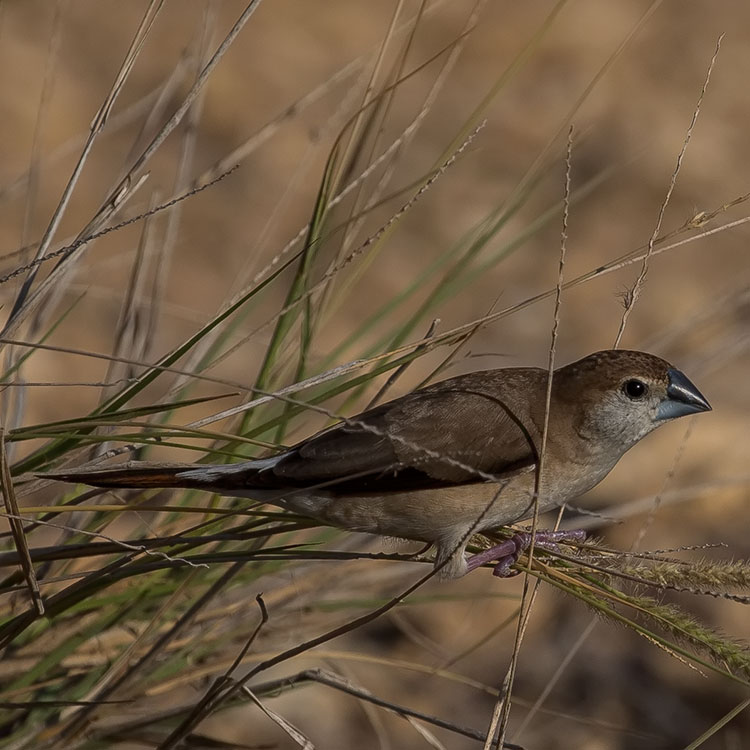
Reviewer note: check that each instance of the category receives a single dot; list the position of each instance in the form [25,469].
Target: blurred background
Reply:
[628,76]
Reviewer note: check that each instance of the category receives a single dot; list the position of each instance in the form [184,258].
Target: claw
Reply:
[506,553]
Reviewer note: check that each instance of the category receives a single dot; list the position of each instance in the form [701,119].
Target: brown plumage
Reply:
[457,457]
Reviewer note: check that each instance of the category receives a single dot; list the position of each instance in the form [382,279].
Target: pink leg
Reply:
[506,553]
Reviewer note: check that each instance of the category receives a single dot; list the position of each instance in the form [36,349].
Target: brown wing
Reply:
[462,430]
[427,438]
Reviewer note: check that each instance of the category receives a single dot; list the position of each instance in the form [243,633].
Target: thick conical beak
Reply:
[683,398]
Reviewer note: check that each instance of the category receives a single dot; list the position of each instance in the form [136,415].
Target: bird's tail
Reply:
[146,475]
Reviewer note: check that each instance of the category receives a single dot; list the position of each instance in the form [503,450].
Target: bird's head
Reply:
[624,395]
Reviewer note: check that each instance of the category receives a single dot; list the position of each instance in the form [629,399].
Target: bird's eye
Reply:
[634,389]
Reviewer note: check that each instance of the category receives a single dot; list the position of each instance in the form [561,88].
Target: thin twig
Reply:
[644,504]
[16,527]
[555,678]
[80,721]
[152,11]
[630,301]
[401,370]
[196,715]
[68,249]
[286,726]
[212,697]
[130,183]
[15,516]
[648,521]
[501,715]
[148,104]
[306,295]
[635,291]
[51,67]
[332,680]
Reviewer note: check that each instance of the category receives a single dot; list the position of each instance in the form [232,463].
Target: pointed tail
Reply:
[140,475]
[130,475]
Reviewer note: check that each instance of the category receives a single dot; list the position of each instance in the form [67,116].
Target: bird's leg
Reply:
[507,553]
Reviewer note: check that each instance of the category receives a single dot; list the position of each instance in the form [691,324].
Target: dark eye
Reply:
[635,389]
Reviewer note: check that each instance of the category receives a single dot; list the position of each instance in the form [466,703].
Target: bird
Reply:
[455,458]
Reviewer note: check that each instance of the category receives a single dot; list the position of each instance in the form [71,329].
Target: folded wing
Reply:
[448,434]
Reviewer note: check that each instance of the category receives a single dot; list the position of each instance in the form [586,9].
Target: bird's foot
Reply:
[507,553]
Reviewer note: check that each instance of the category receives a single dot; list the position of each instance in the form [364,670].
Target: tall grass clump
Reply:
[142,619]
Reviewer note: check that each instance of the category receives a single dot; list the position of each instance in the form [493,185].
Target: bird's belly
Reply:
[425,515]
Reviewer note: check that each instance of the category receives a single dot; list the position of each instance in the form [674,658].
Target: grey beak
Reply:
[683,398]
